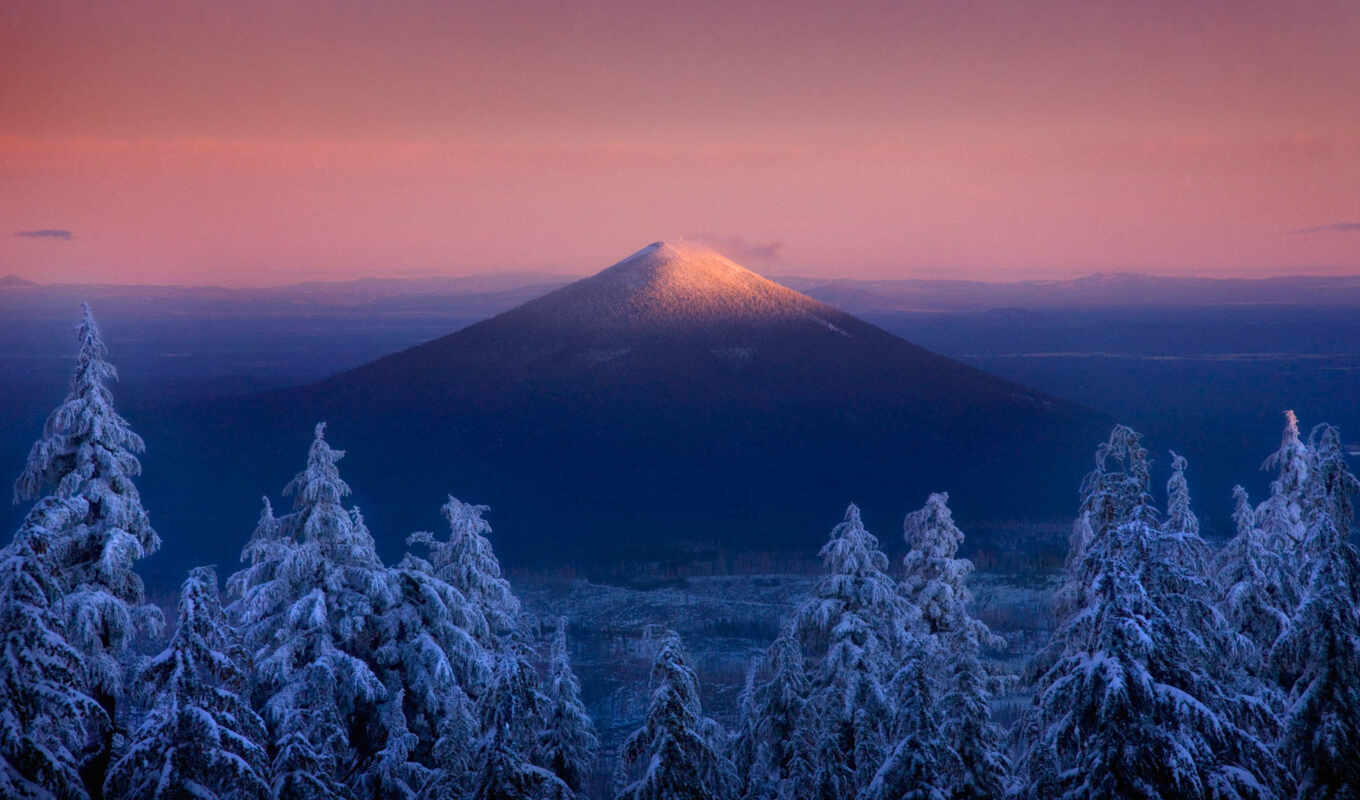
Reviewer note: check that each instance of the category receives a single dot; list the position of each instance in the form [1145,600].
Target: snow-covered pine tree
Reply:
[855,631]
[676,753]
[920,765]
[46,716]
[977,742]
[1115,491]
[1180,517]
[1128,711]
[566,743]
[1113,494]
[504,771]
[467,562]
[88,451]
[200,737]
[1255,587]
[429,657]
[1331,489]
[1133,702]
[936,579]
[1281,516]
[395,774]
[778,731]
[1317,658]
[308,605]
[256,584]
[935,583]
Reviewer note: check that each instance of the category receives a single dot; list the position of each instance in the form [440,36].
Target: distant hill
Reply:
[14,282]
[673,400]
[1117,290]
[492,293]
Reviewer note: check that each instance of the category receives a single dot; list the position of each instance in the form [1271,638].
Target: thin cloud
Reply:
[1344,227]
[46,233]
[739,248]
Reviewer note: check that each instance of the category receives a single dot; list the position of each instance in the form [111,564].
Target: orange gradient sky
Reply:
[252,143]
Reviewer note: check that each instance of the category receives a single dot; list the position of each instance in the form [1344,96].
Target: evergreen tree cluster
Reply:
[322,673]
[1176,670]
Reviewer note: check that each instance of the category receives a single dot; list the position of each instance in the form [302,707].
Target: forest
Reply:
[1177,668]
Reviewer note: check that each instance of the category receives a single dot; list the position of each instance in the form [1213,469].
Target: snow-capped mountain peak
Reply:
[668,284]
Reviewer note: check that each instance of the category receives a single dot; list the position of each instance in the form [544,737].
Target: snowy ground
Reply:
[726,621]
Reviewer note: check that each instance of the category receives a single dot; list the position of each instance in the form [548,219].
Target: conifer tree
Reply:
[88,451]
[566,743]
[504,770]
[855,629]
[936,584]
[1317,657]
[1131,702]
[1281,516]
[429,657]
[200,737]
[1331,489]
[309,602]
[777,741]
[46,715]
[676,753]
[920,765]
[467,561]
[395,774]
[1255,587]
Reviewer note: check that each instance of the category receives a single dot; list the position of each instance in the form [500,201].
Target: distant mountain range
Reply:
[487,294]
[1117,290]
[14,282]
[673,398]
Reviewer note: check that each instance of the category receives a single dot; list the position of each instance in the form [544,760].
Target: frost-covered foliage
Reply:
[1317,658]
[920,765]
[982,766]
[467,562]
[854,631]
[1256,586]
[200,737]
[334,676]
[775,745]
[1331,489]
[394,773]
[504,770]
[88,452]
[1133,700]
[935,583]
[483,634]
[46,715]
[1180,518]
[566,742]
[428,657]
[308,602]
[936,578]
[1281,516]
[677,754]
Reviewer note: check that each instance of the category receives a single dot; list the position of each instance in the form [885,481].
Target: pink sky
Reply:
[252,143]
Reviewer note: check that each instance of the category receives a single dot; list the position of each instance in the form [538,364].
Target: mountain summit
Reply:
[672,284]
[673,397]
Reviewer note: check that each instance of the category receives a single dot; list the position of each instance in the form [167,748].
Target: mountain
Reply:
[1098,291]
[15,282]
[672,398]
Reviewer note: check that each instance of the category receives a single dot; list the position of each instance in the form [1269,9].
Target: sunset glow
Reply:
[244,144]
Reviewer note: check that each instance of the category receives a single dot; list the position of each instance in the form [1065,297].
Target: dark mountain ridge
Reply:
[672,400]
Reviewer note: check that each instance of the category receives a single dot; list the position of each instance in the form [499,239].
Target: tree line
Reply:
[1176,670]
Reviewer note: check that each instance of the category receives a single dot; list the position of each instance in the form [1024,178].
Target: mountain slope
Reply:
[674,397]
